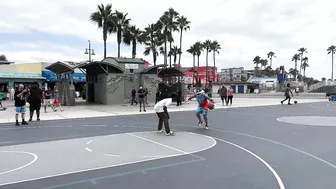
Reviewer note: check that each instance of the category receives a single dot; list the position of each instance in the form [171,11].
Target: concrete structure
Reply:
[232,74]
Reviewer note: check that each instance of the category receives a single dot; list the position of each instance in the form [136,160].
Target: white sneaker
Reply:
[200,124]
[171,133]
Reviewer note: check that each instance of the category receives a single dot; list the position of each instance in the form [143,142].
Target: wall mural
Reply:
[151,81]
[113,83]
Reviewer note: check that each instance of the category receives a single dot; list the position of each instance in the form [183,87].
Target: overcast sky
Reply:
[45,30]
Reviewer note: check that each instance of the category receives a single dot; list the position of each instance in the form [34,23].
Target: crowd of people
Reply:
[34,97]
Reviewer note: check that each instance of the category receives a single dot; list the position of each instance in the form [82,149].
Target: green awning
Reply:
[21,75]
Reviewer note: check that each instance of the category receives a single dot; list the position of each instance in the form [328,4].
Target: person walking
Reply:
[161,111]
[35,100]
[223,94]
[288,97]
[20,96]
[179,97]
[229,96]
[133,97]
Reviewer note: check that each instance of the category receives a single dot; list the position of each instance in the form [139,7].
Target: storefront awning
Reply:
[21,76]
[51,77]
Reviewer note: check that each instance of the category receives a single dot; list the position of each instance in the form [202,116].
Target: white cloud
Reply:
[244,28]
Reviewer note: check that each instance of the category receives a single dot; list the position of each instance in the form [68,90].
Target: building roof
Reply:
[21,75]
[6,62]
[151,68]
[125,60]
[63,67]
[170,72]
[99,64]
[237,83]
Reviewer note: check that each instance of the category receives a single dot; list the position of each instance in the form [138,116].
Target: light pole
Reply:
[89,51]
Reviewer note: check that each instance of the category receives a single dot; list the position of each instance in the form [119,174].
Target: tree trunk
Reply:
[198,66]
[119,41]
[179,62]
[104,38]
[304,72]
[332,65]
[193,70]
[214,68]
[271,61]
[154,57]
[165,49]
[301,62]
[175,58]
[134,46]
[295,70]
[206,68]
[170,47]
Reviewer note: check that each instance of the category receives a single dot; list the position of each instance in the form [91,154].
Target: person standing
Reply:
[141,95]
[133,97]
[230,96]
[288,97]
[35,100]
[223,94]
[20,96]
[179,97]
[47,101]
[161,111]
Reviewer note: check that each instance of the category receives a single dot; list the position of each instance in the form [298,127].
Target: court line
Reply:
[88,149]
[277,177]
[110,155]
[272,141]
[24,166]
[89,142]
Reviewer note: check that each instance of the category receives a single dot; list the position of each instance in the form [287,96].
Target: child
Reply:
[57,101]
[161,110]
[287,91]
[202,108]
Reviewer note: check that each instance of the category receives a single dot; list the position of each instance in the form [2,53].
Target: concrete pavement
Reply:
[83,110]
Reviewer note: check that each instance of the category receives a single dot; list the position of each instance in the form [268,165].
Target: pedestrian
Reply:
[202,108]
[20,96]
[223,94]
[141,95]
[133,93]
[1,96]
[57,101]
[35,100]
[161,110]
[179,97]
[229,96]
[287,95]
[47,101]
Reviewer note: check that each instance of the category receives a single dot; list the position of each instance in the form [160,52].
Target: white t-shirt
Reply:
[158,108]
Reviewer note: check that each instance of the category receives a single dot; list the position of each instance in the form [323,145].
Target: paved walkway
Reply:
[83,110]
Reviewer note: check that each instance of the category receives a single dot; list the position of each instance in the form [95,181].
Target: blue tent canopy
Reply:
[51,77]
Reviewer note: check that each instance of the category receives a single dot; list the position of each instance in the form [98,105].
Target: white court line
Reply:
[20,152]
[277,177]
[104,167]
[88,149]
[110,155]
[89,142]
[162,156]
[94,125]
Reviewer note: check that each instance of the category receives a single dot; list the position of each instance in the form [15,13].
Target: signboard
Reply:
[132,66]
[188,80]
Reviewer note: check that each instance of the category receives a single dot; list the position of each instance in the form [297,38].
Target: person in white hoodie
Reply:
[161,110]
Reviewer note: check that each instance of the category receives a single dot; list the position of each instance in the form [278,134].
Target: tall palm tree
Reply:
[263,63]
[256,61]
[152,41]
[102,17]
[295,58]
[133,36]
[301,51]
[183,25]
[305,65]
[199,49]
[172,26]
[3,58]
[270,55]
[162,26]
[192,50]
[207,48]
[214,47]
[120,23]
[331,50]
[174,52]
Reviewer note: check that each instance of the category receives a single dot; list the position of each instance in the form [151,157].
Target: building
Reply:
[201,73]
[232,74]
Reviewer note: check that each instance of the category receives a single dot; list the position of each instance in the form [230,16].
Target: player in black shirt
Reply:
[20,104]
[141,95]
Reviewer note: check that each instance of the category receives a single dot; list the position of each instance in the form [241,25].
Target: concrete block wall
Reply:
[130,81]
[150,82]
[115,88]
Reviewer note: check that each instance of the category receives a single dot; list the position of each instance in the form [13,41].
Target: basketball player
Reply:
[161,111]
[287,95]
[202,108]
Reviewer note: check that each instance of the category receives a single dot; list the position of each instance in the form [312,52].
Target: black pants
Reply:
[163,119]
[224,99]
[287,98]
[178,100]
[133,100]
[229,99]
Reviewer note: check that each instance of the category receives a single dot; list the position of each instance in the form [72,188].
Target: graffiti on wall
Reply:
[151,82]
[113,83]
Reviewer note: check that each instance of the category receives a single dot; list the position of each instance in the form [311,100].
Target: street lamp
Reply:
[89,51]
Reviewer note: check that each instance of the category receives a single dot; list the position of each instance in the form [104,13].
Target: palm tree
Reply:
[175,51]
[192,50]
[270,55]
[331,50]
[207,47]
[133,36]
[263,63]
[120,23]
[162,28]
[3,58]
[215,47]
[183,25]
[152,41]
[171,16]
[295,58]
[102,17]
[301,51]
[293,72]
[304,65]
[256,61]
[198,49]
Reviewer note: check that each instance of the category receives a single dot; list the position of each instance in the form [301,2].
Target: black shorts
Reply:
[35,106]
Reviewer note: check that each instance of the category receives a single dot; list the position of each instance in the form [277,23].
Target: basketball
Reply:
[211,105]
[295,102]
